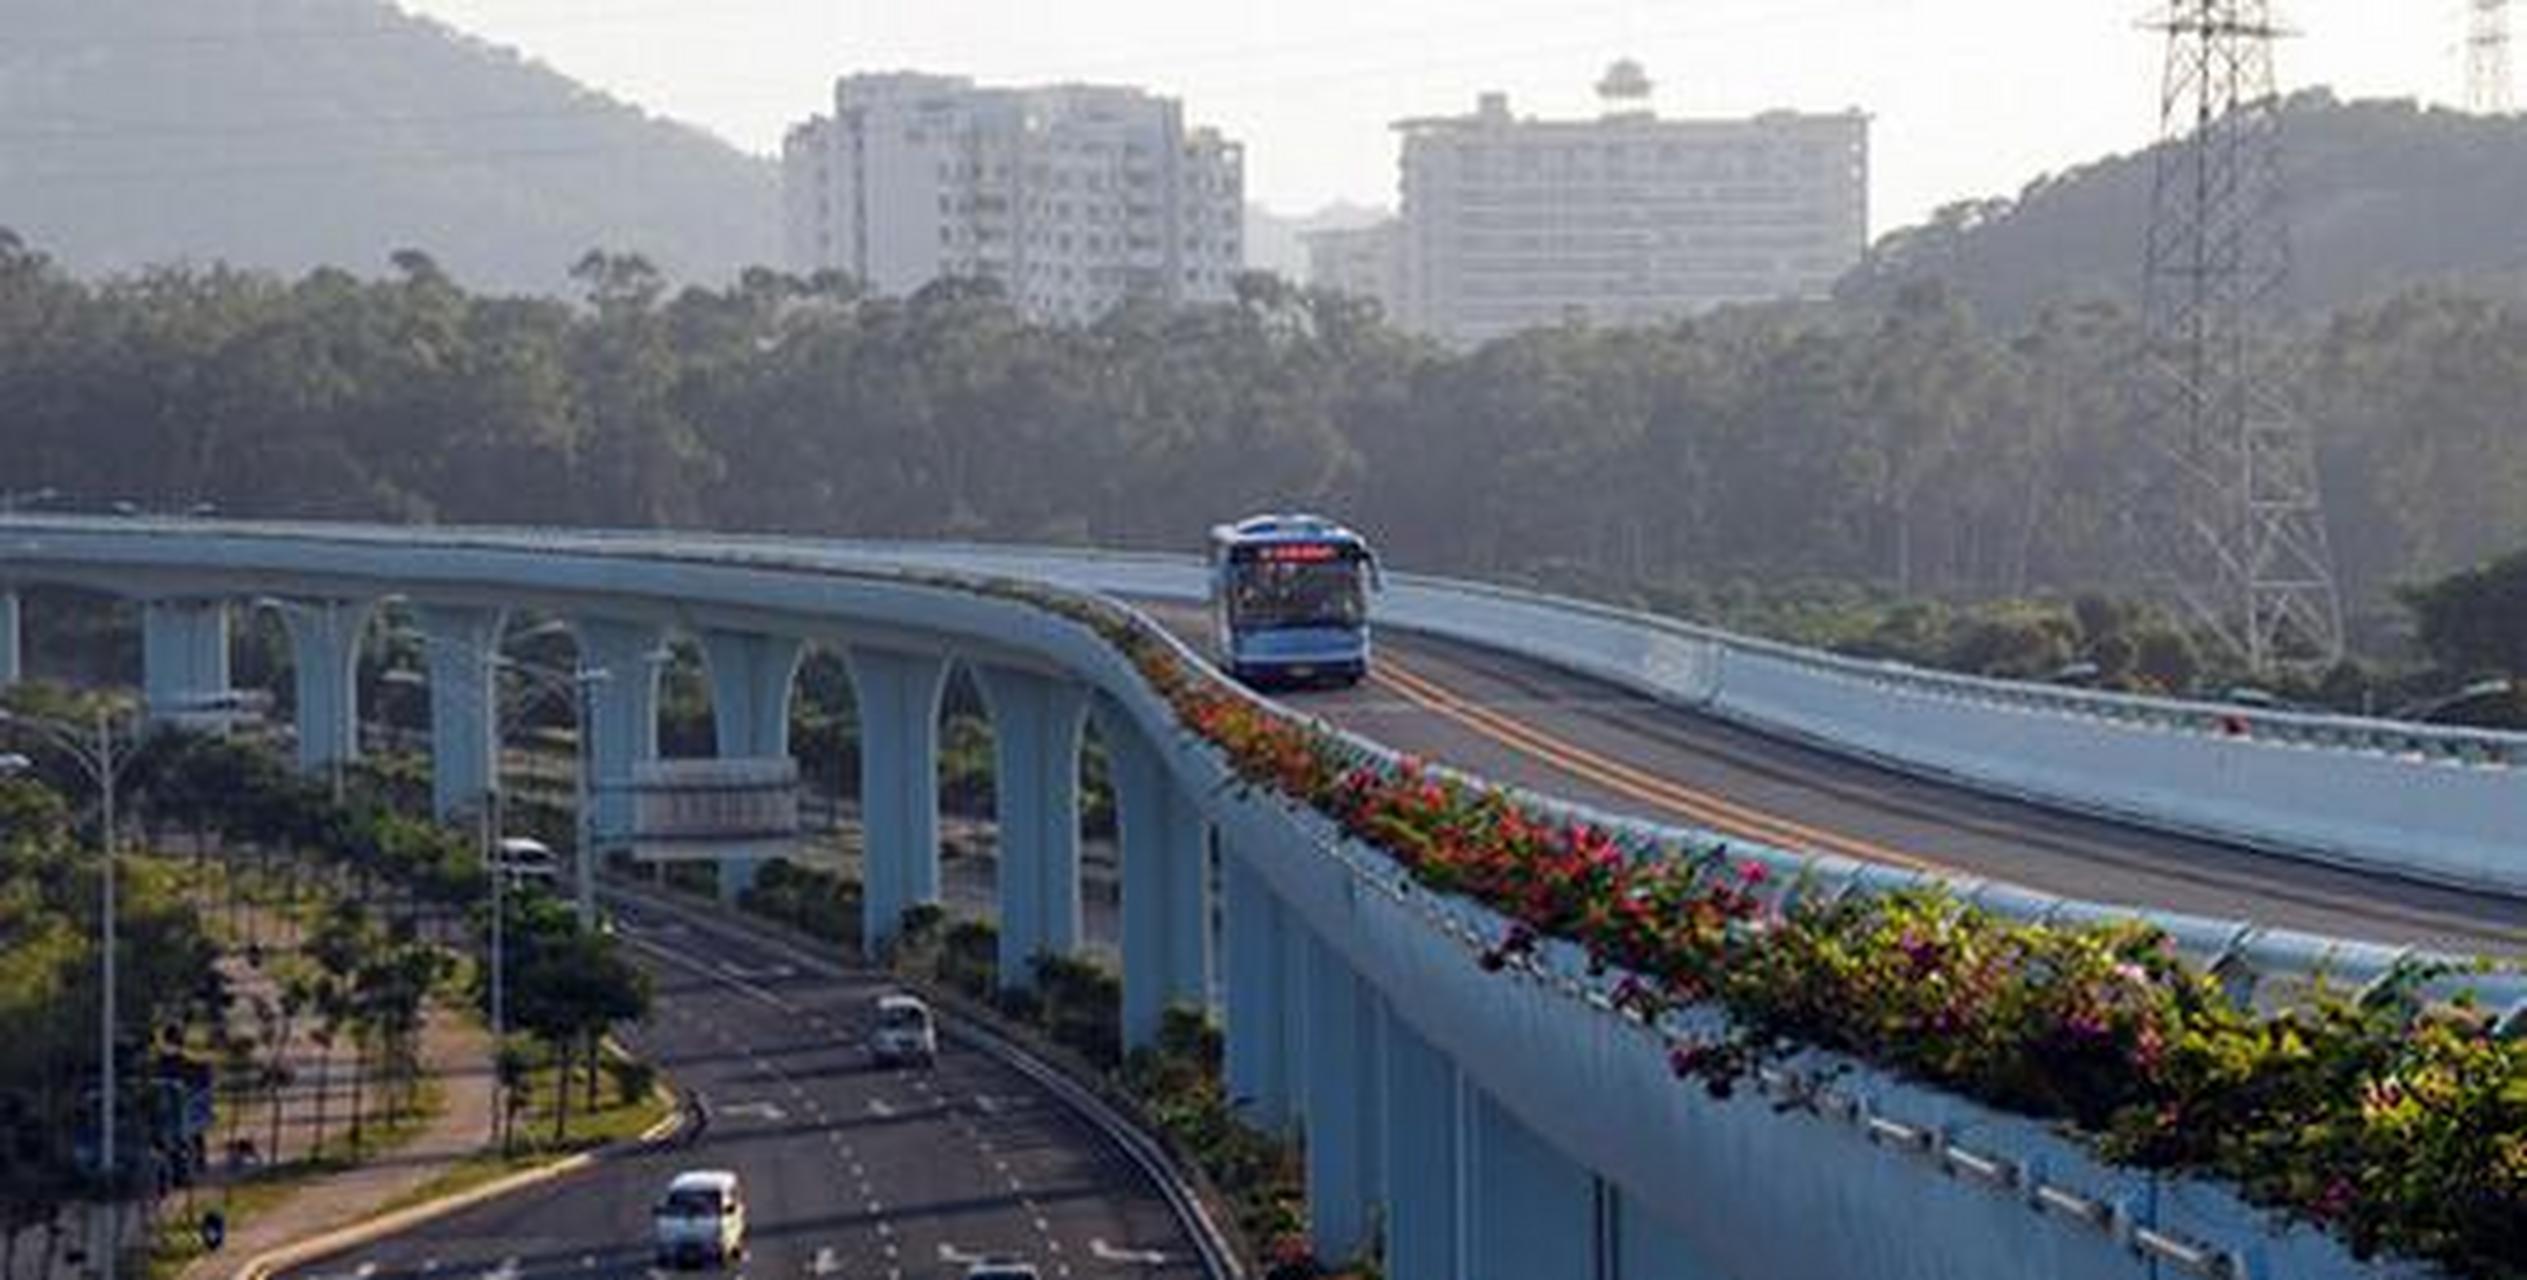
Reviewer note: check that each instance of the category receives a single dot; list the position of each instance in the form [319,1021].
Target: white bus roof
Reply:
[1285,526]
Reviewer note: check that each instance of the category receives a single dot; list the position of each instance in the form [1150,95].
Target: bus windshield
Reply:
[1264,595]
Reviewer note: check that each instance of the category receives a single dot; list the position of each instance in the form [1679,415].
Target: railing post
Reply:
[1166,874]
[12,663]
[1425,1157]
[1036,725]
[751,675]
[184,657]
[1255,1020]
[325,657]
[459,643]
[897,696]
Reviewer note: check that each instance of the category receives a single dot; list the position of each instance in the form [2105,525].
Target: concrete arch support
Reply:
[1036,725]
[622,724]
[751,675]
[12,661]
[460,644]
[325,651]
[897,695]
[1257,1019]
[184,658]
[1166,881]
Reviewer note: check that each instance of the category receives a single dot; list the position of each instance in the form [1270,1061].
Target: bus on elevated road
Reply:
[1290,599]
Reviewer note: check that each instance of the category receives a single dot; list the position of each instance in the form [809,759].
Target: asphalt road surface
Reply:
[1536,726]
[850,1171]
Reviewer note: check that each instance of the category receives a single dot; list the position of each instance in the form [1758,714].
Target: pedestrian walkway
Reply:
[456,1054]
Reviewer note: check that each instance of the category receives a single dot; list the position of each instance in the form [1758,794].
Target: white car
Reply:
[701,1221]
[904,1032]
[528,863]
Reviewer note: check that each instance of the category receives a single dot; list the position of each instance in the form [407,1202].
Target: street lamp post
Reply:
[103,768]
[492,818]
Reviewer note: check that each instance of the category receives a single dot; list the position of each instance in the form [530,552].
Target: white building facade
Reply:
[1072,198]
[1365,262]
[1512,223]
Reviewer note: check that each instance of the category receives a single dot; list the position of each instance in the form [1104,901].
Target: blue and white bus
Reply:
[1290,599]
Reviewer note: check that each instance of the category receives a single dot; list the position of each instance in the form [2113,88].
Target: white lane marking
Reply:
[826,1263]
[364,1271]
[879,1108]
[587,1262]
[1052,1246]
[956,1257]
[987,1104]
[876,1208]
[507,1270]
[678,958]
[1043,1227]
[770,1111]
[429,1265]
[886,1229]
[795,1091]
[1139,1257]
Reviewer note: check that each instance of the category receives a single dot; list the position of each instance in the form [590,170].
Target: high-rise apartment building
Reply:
[1072,197]
[1628,218]
[1366,262]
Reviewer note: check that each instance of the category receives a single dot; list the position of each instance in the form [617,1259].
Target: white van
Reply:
[903,1033]
[528,863]
[701,1221]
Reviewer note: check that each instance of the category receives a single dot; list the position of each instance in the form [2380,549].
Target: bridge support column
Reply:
[1343,1134]
[1036,724]
[1166,877]
[1423,1111]
[183,658]
[751,675]
[12,664]
[897,695]
[1531,1212]
[1256,1018]
[460,643]
[325,654]
[619,730]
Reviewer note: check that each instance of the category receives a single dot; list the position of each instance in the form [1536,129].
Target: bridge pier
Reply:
[1344,1066]
[1036,725]
[325,659]
[183,658]
[1257,1020]
[460,644]
[12,662]
[619,730]
[897,696]
[1166,878]
[1424,1114]
[1533,1211]
[751,675]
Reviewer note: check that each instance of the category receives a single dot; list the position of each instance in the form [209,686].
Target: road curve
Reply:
[1530,724]
[850,1171]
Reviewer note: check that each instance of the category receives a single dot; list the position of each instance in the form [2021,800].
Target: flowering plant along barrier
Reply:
[2399,1125]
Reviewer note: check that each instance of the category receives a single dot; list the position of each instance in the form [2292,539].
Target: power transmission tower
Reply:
[2234,519]
[2487,57]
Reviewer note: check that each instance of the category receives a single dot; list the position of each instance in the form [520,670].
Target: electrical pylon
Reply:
[2235,521]
[2487,57]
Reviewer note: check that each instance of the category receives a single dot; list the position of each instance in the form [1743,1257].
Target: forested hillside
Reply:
[2379,195]
[1907,447]
[289,134]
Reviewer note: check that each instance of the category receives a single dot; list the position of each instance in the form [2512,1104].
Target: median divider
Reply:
[1185,1199]
[325,1245]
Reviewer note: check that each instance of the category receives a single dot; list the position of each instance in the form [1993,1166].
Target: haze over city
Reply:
[1311,86]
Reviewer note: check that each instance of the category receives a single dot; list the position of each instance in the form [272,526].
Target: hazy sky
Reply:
[1970,97]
